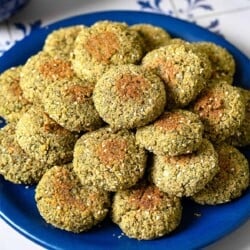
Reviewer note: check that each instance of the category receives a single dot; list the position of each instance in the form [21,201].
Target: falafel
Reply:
[185,175]
[128,96]
[64,203]
[175,132]
[102,45]
[12,101]
[109,160]
[43,139]
[183,69]
[231,180]
[15,165]
[145,212]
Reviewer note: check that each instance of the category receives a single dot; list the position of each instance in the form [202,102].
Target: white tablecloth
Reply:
[229,18]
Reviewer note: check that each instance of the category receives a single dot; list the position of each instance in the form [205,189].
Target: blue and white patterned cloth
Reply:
[227,18]
[9,7]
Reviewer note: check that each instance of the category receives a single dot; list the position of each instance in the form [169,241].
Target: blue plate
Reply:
[18,207]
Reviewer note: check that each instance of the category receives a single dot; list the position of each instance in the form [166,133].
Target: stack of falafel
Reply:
[127,120]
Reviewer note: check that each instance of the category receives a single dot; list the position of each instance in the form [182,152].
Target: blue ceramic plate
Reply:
[17,205]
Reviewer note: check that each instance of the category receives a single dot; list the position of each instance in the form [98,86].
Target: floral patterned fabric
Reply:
[221,17]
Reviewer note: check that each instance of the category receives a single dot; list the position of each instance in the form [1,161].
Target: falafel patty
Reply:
[41,70]
[222,62]
[109,160]
[12,101]
[61,42]
[184,175]
[64,203]
[174,133]
[102,45]
[43,139]
[241,137]
[15,165]
[231,180]
[153,36]
[183,69]
[70,104]
[144,212]
[221,108]
[128,96]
